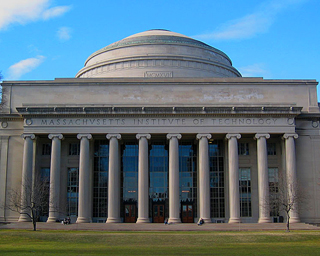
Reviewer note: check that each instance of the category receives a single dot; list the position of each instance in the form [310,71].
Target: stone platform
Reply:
[159,227]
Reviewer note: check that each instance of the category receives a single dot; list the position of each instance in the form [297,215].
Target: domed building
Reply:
[161,126]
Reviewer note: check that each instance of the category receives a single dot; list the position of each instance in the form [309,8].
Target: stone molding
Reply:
[55,135]
[84,135]
[143,135]
[201,135]
[104,68]
[113,135]
[259,135]
[288,135]
[28,135]
[230,135]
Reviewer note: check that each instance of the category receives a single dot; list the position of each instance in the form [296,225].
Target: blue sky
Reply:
[274,39]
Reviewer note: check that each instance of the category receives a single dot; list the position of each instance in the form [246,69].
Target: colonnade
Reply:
[84,212]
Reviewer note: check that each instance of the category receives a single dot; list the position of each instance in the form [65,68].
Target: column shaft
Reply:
[114,179]
[174,202]
[292,185]
[204,177]
[143,186]
[84,207]
[26,182]
[234,197]
[54,195]
[263,178]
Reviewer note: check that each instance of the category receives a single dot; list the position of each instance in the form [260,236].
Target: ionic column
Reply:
[234,197]
[54,195]
[143,178]
[204,177]
[84,206]
[174,203]
[263,178]
[114,179]
[291,171]
[26,182]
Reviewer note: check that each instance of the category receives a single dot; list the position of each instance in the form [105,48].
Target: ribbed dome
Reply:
[158,53]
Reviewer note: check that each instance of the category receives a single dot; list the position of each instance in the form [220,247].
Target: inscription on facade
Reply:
[136,122]
[160,74]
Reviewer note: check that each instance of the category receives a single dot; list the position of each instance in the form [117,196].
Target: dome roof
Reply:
[158,53]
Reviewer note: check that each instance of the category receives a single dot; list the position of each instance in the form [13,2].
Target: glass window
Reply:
[271,148]
[217,199]
[45,180]
[274,191]
[158,171]
[130,155]
[100,178]
[46,149]
[188,171]
[245,192]
[74,149]
[73,191]
[243,149]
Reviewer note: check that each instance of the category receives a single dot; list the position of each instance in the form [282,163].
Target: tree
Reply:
[31,202]
[286,197]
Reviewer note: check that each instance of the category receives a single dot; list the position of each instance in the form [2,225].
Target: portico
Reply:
[172,197]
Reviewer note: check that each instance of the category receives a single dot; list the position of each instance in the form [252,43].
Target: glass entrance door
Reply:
[158,213]
[130,213]
[187,213]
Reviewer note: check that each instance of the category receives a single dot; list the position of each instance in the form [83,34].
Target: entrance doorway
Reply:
[130,213]
[158,213]
[187,213]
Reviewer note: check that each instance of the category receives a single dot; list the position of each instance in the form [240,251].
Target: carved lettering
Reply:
[158,74]
[117,122]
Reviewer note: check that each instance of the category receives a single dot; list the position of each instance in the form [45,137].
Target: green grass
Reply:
[18,242]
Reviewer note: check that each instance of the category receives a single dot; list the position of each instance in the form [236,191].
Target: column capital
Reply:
[201,135]
[28,135]
[113,135]
[230,135]
[84,135]
[55,135]
[259,135]
[143,135]
[288,135]
[171,135]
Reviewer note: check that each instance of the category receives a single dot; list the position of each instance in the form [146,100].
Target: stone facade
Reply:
[242,135]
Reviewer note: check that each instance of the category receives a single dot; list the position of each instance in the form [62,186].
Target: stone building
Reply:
[159,125]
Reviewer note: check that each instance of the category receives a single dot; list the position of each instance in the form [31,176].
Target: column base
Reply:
[24,218]
[83,220]
[113,220]
[143,220]
[264,220]
[294,220]
[51,219]
[234,220]
[206,220]
[174,220]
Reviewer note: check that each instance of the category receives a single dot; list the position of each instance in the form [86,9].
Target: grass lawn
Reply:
[21,242]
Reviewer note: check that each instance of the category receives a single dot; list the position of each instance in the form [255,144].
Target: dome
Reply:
[158,53]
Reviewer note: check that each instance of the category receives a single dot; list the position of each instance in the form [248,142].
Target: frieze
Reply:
[157,122]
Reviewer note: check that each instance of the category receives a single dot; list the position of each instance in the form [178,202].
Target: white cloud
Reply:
[55,11]
[255,70]
[24,66]
[22,11]
[64,33]
[251,24]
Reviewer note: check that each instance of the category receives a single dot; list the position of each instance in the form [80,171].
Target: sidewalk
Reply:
[159,227]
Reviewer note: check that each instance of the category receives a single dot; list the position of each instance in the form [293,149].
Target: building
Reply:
[159,125]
